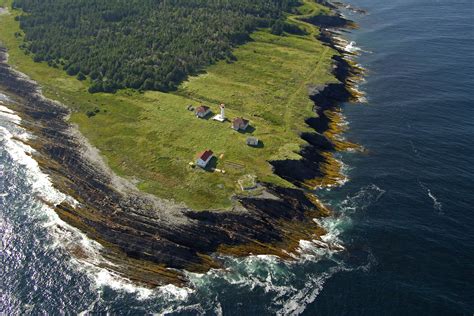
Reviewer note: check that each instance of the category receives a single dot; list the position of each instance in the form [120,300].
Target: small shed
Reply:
[204,157]
[202,111]
[240,124]
[252,141]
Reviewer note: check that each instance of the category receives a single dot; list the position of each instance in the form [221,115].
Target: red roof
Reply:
[205,155]
[202,109]
[239,121]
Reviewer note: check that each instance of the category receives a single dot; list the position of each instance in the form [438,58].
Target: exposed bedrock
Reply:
[328,21]
[151,240]
[144,236]
[309,167]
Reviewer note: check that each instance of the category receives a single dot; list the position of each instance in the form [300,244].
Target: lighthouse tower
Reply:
[222,106]
[220,117]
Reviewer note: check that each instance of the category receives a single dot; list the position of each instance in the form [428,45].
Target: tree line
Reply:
[142,44]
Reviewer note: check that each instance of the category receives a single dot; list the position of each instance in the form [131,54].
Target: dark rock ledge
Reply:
[151,241]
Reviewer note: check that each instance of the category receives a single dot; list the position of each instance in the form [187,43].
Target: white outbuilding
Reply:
[252,141]
[202,111]
[204,158]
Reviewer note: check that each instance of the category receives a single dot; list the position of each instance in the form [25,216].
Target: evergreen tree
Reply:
[142,44]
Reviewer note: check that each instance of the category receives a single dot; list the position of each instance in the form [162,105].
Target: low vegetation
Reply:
[150,137]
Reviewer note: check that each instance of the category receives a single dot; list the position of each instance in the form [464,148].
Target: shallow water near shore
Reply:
[405,216]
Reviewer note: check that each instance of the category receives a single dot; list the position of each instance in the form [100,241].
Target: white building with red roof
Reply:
[204,157]
[202,111]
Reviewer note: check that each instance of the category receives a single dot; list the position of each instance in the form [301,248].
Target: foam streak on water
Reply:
[437,206]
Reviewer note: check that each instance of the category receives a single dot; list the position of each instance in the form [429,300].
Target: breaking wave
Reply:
[62,235]
[267,273]
[290,286]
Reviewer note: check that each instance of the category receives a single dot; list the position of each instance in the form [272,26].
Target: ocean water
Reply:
[405,217]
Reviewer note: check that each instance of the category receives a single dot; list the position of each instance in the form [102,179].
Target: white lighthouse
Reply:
[222,106]
[220,117]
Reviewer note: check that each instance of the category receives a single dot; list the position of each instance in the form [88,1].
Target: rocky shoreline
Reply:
[151,241]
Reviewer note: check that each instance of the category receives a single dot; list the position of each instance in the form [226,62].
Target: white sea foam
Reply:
[4,97]
[277,277]
[5,109]
[8,115]
[242,272]
[298,302]
[437,205]
[42,187]
[349,47]
[365,197]
[352,48]
[260,271]
[362,99]
[330,242]
[327,245]
[106,278]
[62,235]
[334,225]
[39,182]
[344,171]
[171,298]
[360,94]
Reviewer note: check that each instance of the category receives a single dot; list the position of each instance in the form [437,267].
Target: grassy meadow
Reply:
[151,137]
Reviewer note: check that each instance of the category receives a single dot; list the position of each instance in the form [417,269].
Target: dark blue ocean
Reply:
[405,216]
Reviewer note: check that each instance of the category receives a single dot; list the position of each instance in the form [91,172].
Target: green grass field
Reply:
[151,137]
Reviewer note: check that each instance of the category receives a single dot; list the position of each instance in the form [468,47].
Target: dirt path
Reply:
[313,33]
[303,85]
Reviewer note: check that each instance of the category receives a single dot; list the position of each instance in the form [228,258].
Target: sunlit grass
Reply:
[151,137]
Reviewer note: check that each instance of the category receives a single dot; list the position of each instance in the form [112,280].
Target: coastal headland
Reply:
[127,165]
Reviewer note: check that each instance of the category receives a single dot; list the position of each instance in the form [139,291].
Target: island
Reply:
[170,165]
